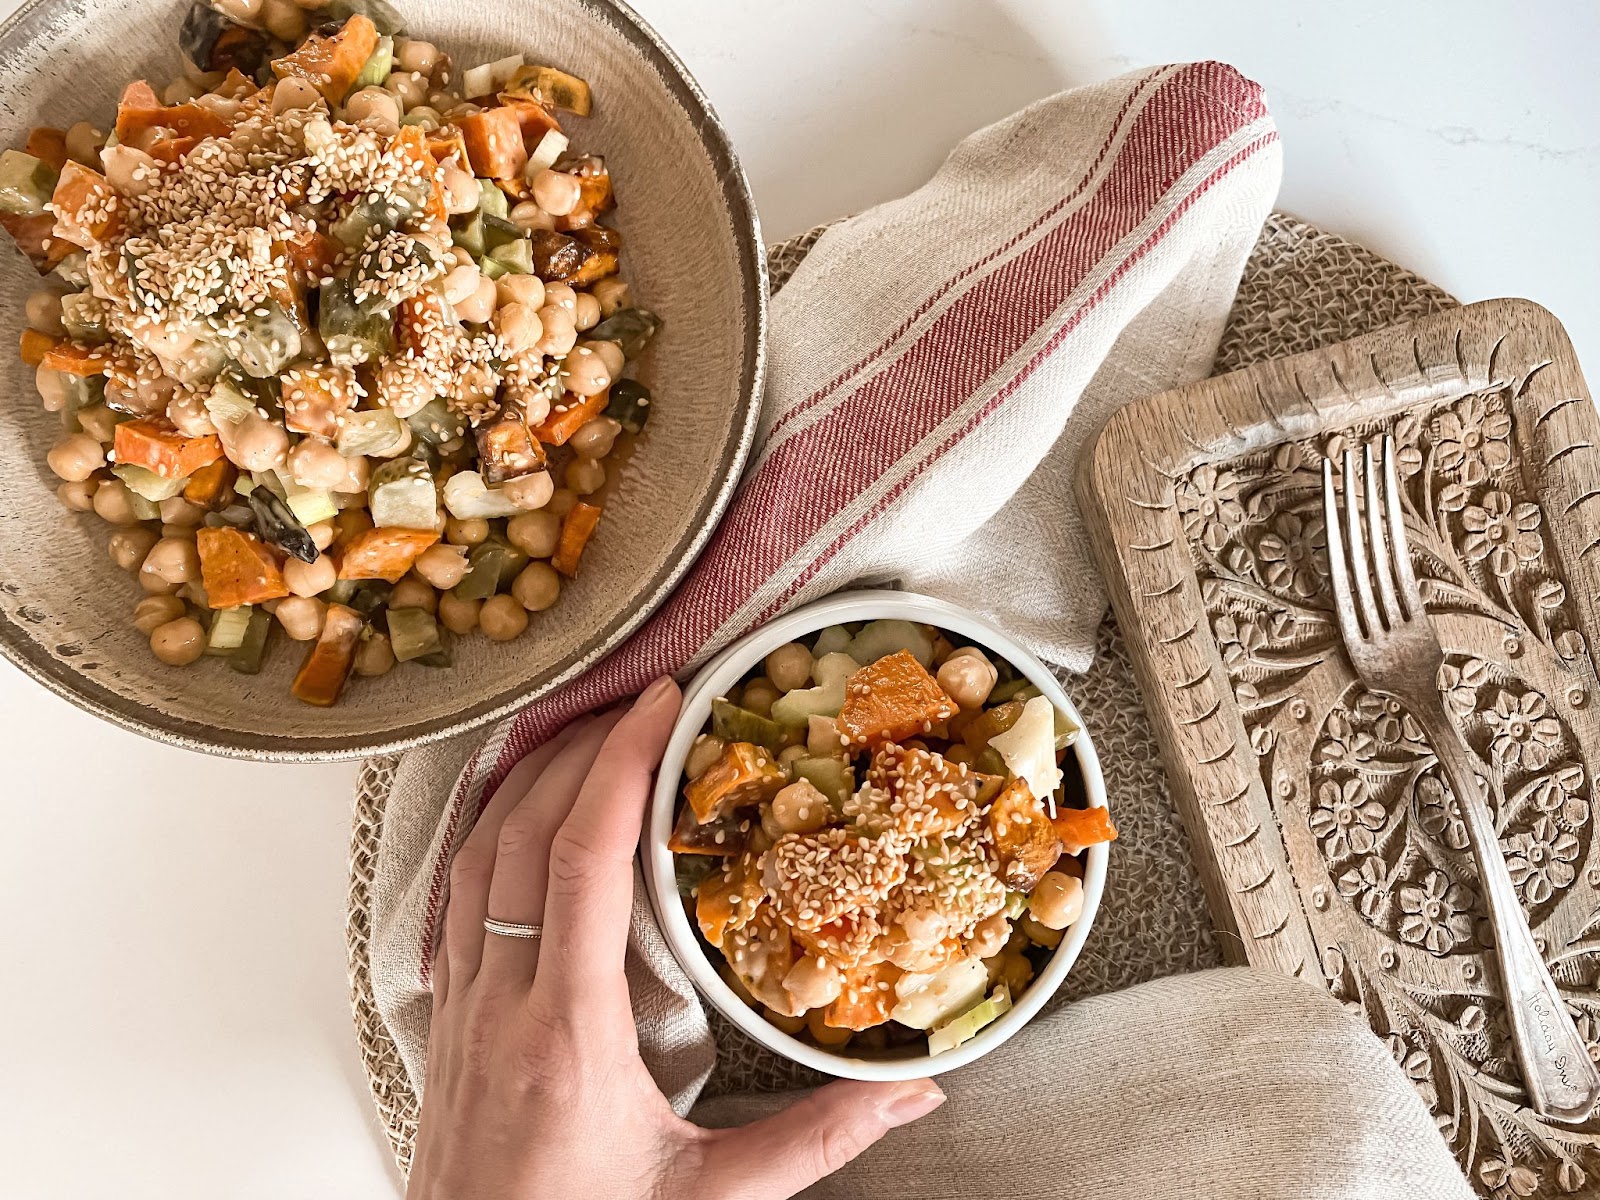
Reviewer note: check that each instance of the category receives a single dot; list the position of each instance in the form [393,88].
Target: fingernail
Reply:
[656,690]
[912,1100]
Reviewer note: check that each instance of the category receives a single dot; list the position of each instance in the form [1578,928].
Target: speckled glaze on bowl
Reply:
[692,253]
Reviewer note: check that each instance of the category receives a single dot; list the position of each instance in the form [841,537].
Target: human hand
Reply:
[535,1087]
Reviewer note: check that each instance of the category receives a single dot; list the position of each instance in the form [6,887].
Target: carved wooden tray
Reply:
[1328,842]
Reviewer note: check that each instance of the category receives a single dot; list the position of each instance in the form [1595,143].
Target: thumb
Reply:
[787,1152]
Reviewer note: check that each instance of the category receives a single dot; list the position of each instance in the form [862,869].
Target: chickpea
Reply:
[357,475]
[156,584]
[84,142]
[179,642]
[466,532]
[705,751]
[408,87]
[521,289]
[1016,972]
[54,388]
[595,439]
[529,492]
[558,331]
[460,284]
[412,592]
[758,696]
[442,566]
[585,476]
[502,618]
[301,617]
[968,679]
[315,464]
[254,443]
[989,936]
[561,502]
[801,808]
[416,56]
[519,327]
[187,411]
[789,667]
[114,503]
[374,655]
[242,11]
[173,559]
[128,547]
[297,93]
[792,1025]
[461,190]
[562,296]
[584,373]
[43,310]
[822,736]
[813,982]
[1056,901]
[310,579]
[611,354]
[459,256]
[612,295]
[99,422]
[175,510]
[556,192]
[79,496]
[586,312]
[457,615]
[377,110]
[322,534]
[284,20]
[536,534]
[960,752]
[478,307]
[76,457]
[792,754]
[826,1035]
[537,586]
[179,91]
[155,611]
[528,217]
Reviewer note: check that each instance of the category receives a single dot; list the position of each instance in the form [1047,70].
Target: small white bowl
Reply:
[660,881]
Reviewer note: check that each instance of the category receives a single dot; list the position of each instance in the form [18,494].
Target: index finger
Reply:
[589,897]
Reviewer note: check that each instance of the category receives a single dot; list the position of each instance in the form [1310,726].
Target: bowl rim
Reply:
[660,884]
[89,694]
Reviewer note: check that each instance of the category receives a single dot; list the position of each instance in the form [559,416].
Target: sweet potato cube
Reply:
[74,358]
[237,568]
[321,677]
[153,443]
[87,208]
[1024,839]
[506,448]
[35,346]
[36,237]
[934,794]
[315,396]
[568,415]
[411,145]
[140,111]
[385,553]
[1080,828]
[892,699]
[577,527]
[746,774]
[211,487]
[728,897]
[49,145]
[533,118]
[867,998]
[594,193]
[722,837]
[494,142]
[604,247]
[331,62]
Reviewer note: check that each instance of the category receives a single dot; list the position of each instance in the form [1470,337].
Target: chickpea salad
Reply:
[325,323]
[878,839]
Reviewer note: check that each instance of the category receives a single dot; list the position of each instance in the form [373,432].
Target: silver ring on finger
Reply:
[512,929]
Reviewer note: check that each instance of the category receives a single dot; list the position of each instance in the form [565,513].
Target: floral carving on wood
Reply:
[1371,829]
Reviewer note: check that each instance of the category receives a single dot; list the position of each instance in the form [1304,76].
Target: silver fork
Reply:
[1395,651]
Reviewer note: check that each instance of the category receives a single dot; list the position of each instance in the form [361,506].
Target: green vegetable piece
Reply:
[516,257]
[352,336]
[835,639]
[26,184]
[482,579]
[83,317]
[833,777]
[629,404]
[1067,730]
[402,493]
[373,263]
[228,629]
[413,633]
[444,656]
[493,268]
[252,649]
[878,639]
[497,232]
[1016,905]
[266,344]
[378,66]
[965,1027]
[144,482]
[369,596]
[342,591]
[380,13]
[691,869]
[630,328]
[467,232]
[492,201]
[735,724]
[309,505]
[74,269]
[374,213]
[1007,690]
[436,423]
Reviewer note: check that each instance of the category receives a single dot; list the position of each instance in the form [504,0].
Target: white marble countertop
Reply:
[174,1021]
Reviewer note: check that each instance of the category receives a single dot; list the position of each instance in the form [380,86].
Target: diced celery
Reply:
[444,656]
[371,431]
[835,639]
[466,495]
[145,482]
[497,232]
[1067,730]
[492,201]
[516,257]
[84,317]
[796,708]
[377,67]
[1008,690]
[352,336]
[436,423]
[228,629]
[492,268]
[74,269]
[265,345]
[341,591]
[551,146]
[413,633]
[26,184]
[735,724]
[401,493]
[691,869]
[630,328]
[832,777]
[252,648]
[1016,905]
[880,638]
[275,483]
[478,81]
[310,505]
[965,1027]
[482,579]
[467,232]
[629,404]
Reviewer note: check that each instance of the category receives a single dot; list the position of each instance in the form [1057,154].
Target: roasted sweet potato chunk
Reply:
[506,448]
[568,415]
[315,396]
[745,774]
[892,699]
[1024,839]
[36,237]
[237,568]
[722,837]
[87,207]
[74,358]
[934,796]
[494,142]
[728,897]
[212,487]
[153,443]
[385,553]
[577,527]
[867,998]
[322,676]
[1080,828]
[331,62]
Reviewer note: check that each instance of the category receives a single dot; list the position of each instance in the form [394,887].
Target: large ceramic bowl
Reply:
[660,878]
[693,254]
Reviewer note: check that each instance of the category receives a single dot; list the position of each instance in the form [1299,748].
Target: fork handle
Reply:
[1562,1081]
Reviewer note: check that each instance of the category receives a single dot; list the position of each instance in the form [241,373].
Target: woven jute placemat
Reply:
[1302,288]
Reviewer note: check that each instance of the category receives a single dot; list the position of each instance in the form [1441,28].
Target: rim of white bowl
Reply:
[713,680]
